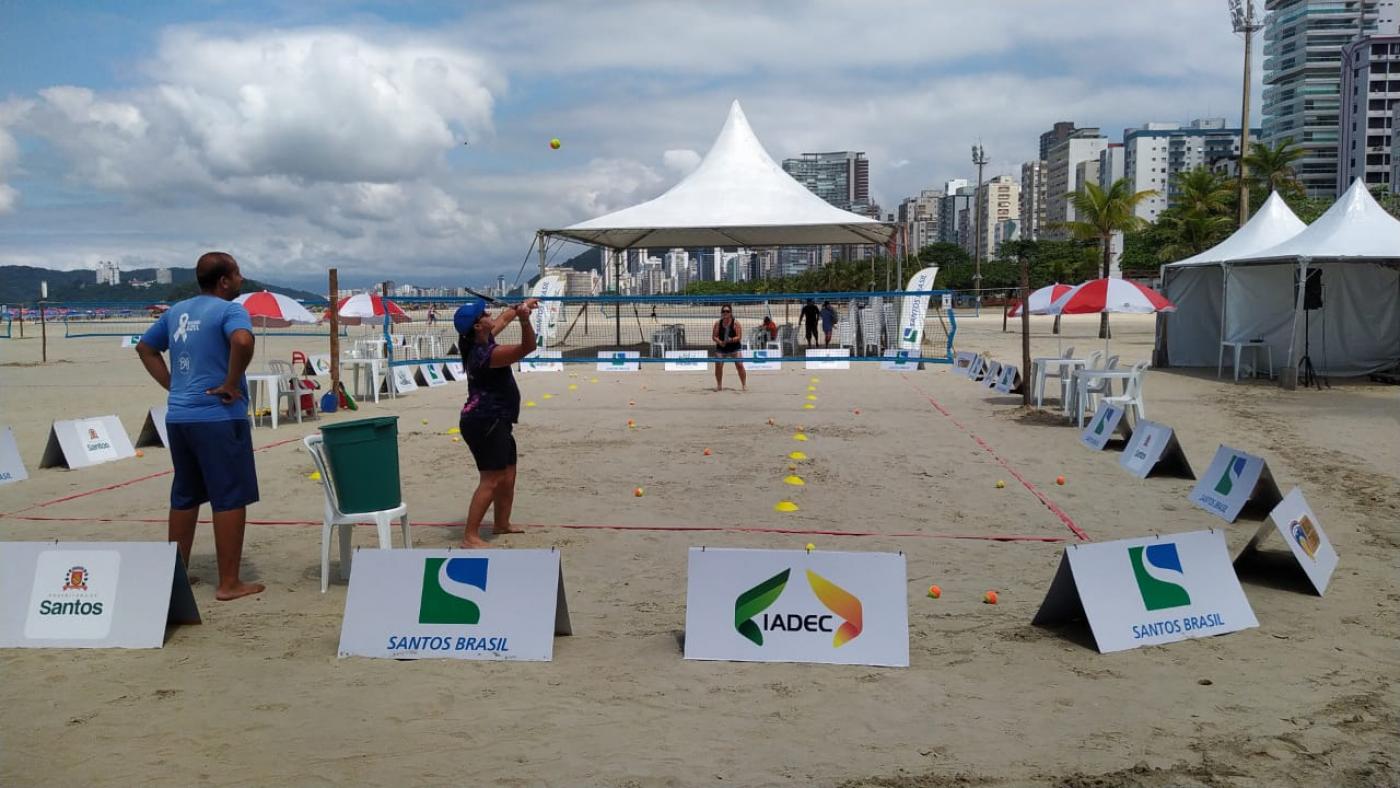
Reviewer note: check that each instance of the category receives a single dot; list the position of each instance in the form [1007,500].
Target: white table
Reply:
[1081,386]
[1253,344]
[373,368]
[266,383]
[1039,366]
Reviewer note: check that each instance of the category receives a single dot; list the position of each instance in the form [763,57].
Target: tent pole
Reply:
[1288,376]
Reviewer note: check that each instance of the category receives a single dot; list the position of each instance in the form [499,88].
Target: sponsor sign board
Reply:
[1107,421]
[797,606]
[320,363]
[898,361]
[153,429]
[686,360]
[619,361]
[758,360]
[1233,480]
[11,466]
[543,361]
[1149,591]
[431,375]
[78,443]
[455,604]
[1154,450]
[402,379]
[914,309]
[1296,522]
[963,361]
[828,358]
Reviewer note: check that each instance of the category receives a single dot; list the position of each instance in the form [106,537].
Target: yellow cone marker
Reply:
[547,396]
[808,406]
[797,455]
[811,388]
[454,430]
[799,437]
[573,387]
[816,380]
[811,547]
[529,403]
[456,439]
[592,380]
[794,480]
[812,397]
[785,506]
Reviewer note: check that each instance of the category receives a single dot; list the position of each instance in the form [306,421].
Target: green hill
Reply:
[20,284]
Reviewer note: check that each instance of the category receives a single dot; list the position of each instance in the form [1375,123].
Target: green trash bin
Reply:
[364,459]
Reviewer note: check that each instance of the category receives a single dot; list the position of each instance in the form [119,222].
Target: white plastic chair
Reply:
[333,517]
[287,387]
[1056,371]
[1096,388]
[1067,382]
[1132,393]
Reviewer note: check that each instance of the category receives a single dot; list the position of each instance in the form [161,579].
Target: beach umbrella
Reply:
[1111,295]
[1041,299]
[356,308]
[272,309]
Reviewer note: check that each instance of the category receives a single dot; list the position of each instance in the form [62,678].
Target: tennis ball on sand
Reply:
[1000,484]
[425,421]
[707,452]
[639,492]
[456,439]
[934,592]
[990,597]
[631,424]
[1060,480]
[140,453]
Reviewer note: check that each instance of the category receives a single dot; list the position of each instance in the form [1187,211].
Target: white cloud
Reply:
[681,161]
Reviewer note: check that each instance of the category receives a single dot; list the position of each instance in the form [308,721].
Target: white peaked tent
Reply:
[1356,246]
[738,196]
[1197,286]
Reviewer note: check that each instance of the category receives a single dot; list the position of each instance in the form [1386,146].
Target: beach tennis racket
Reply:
[488,299]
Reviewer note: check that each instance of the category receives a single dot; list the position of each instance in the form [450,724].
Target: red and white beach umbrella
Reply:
[1041,299]
[1110,295]
[363,306]
[274,310]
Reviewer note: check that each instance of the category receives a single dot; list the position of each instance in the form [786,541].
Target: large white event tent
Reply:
[737,196]
[1243,289]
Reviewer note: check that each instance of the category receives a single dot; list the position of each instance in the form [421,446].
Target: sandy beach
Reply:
[256,695]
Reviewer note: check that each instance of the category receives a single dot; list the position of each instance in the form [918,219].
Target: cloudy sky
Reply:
[409,140]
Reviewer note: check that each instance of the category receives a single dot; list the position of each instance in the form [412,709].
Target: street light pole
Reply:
[1242,17]
[979,158]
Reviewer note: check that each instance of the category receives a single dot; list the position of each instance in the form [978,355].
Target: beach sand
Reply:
[256,695]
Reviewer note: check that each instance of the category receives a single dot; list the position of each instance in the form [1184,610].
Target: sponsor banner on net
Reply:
[1294,520]
[828,358]
[1231,481]
[796,606]
[11,465]
[619,361]
[686,360]
[91,594]
[543,361]
[898,361]
[454,604]
[1149,591]
[914,309]
[760,360]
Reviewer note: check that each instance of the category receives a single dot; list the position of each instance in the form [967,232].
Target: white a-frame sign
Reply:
[78,443]
[1154,451]
[11,466]
[1107,422]
[1148,591]
[1295,521]
[455,604]
[91,594]
[153,430]
[1233,480]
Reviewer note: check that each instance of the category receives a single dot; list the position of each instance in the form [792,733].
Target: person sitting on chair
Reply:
[770,327]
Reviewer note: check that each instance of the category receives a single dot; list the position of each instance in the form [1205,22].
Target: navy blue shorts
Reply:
[213,462]
[491,441]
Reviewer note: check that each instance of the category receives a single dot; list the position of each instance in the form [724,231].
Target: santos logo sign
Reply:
[751,622]
[1139,592]
[457,604]
[73,595]
[843,608]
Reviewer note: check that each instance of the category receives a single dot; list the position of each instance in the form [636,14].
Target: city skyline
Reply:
[148,138]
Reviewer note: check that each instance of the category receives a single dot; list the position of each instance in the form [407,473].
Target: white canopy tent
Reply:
[1355,245]
[738,196]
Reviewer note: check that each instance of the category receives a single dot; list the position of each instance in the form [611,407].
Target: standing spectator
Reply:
[809,316]
[828,321]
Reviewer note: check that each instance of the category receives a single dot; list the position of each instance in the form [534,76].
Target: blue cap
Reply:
[468,314]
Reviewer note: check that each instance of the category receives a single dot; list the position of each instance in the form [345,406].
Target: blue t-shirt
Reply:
[491,391]
[196,331]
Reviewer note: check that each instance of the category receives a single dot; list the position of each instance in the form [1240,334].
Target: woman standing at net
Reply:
[491,409]
[726,336]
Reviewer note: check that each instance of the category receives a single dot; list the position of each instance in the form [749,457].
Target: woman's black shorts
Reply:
[491,442]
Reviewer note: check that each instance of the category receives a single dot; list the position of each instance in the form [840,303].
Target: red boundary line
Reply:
[120,485]
[1049,504]
[603,527]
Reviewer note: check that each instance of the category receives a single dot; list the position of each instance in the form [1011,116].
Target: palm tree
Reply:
[1202,192]
[1192,232]
[1103,212]
[1271,168]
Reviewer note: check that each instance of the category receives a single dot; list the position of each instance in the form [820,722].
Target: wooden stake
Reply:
[334,287]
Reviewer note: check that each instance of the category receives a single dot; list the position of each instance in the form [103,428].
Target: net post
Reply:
[333,290]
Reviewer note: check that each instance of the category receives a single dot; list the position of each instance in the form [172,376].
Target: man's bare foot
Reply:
[474,543]
[719,388]
[506,529]
[228,593]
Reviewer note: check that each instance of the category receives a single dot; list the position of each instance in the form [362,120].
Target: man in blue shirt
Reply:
[210,340]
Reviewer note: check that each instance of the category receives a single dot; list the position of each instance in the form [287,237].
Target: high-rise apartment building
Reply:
[919,217]
[1370,93]
[842,178]
[998,202]
[1032,199]
[1111,165]
[1062,177]
[164,276]
[108,273]
[1059,133]
[1155,153]
[1303,42]
[956,200]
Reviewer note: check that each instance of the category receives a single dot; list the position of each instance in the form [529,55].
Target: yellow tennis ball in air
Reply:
[555,143]
[811,547]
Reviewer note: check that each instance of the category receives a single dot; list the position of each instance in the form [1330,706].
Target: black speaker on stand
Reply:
[1312,300]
